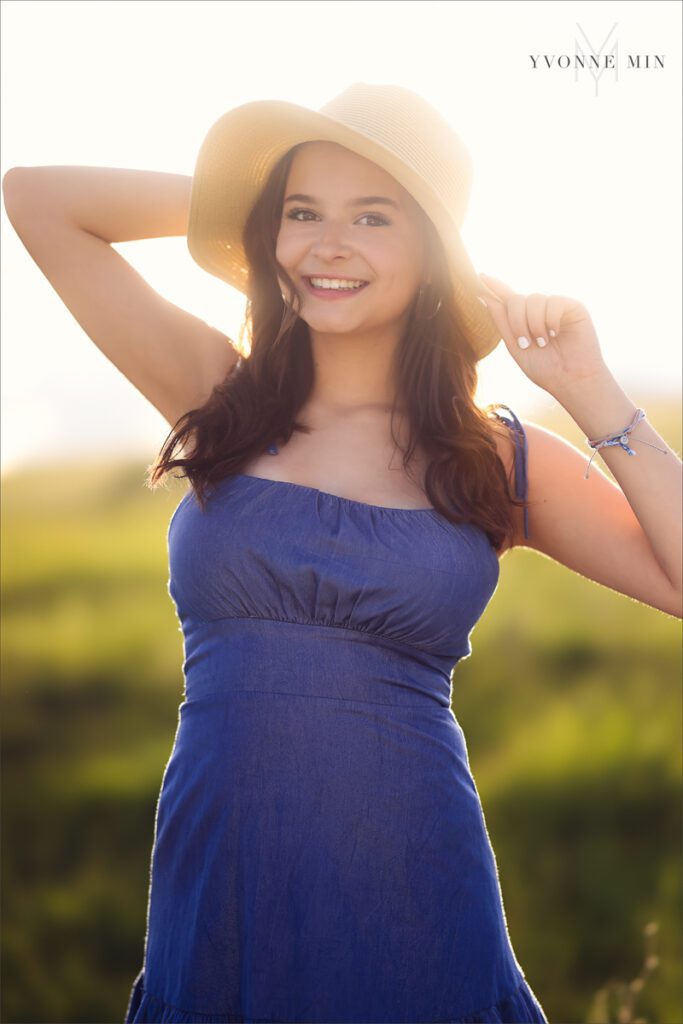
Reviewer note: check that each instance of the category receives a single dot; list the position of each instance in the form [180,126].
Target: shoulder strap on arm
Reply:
[521,459]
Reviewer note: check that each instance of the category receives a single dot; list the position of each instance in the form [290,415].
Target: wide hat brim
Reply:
[234,162]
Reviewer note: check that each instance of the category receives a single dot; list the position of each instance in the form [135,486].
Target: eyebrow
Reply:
[360,201]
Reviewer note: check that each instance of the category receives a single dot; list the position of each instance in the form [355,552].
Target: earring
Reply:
[420,299]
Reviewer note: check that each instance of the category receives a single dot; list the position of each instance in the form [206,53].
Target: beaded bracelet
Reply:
[621,438]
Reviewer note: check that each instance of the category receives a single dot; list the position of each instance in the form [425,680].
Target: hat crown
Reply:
[409,127]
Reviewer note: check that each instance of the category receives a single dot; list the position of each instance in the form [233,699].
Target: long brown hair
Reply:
[436,372]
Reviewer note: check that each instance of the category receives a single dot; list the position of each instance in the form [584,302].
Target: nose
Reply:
[329,242]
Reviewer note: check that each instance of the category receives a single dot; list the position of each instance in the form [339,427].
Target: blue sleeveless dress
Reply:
[320,850]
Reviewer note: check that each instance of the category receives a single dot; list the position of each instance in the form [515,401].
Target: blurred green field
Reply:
[571,705]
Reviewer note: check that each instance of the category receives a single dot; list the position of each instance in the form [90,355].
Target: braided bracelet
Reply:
[621,438]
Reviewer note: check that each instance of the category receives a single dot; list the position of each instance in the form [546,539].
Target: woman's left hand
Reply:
[572,356]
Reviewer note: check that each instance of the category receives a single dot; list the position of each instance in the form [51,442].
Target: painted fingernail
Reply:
[523,342]
[540,342]
[552,334]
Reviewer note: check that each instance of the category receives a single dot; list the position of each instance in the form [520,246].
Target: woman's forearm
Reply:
[115,204]
[652,484]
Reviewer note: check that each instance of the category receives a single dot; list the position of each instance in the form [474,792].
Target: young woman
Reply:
[320,848]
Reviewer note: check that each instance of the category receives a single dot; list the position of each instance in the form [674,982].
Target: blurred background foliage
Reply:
[571,705]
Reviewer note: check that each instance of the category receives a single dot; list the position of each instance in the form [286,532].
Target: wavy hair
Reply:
[256,404]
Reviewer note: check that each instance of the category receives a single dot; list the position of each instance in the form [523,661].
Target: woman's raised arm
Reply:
[67,217]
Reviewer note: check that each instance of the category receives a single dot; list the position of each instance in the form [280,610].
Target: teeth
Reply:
[326,282]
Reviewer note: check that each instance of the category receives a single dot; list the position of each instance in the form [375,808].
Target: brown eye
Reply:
[292,215]
[376,216]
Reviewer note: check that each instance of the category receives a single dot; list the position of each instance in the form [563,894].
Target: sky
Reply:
[576,190]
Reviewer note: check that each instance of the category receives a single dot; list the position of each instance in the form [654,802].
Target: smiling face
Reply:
[345,217]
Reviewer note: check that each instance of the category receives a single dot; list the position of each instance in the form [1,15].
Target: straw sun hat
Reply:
[387,124]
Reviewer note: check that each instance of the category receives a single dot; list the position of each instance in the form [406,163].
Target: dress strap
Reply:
[521,459]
